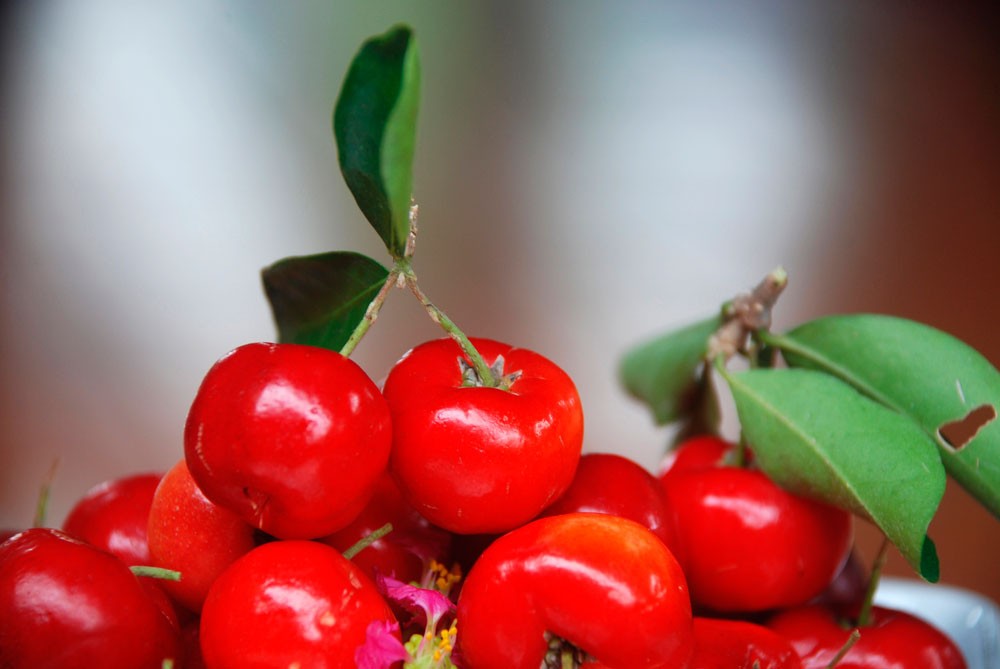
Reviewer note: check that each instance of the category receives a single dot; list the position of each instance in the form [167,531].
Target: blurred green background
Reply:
[589,175]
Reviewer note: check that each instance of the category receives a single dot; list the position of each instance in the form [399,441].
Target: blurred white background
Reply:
[589,175]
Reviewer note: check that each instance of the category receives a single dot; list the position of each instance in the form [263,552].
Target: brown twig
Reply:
[746,314]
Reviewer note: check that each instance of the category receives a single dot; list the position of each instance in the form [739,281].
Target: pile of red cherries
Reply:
[317,520]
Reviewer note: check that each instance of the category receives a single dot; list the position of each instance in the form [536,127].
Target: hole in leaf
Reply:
[958,433]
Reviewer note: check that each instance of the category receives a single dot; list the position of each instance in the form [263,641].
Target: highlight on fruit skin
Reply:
[601,583]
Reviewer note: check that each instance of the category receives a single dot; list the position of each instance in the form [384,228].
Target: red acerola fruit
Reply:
[289,604]
[746,544]
[613,484]
[292,438]
[475,459]
[738,644]
[604,584]
[65,604]
[407,550]
[114,515]
[892,639]
[190,534]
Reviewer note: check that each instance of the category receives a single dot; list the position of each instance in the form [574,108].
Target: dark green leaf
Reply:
[320,299]
[375,123]
[664,372]
[940,382]
[817,436]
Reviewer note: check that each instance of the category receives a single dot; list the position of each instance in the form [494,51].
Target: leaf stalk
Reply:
[483,370]
[367,540]
[371,313]
[868,603]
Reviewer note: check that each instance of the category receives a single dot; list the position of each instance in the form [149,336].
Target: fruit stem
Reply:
[156,572]
[851,640]
[42,506]
[746,315]
[567,658]
[739,456]
[367,540]
[371,313]
[865,613]
[483,371]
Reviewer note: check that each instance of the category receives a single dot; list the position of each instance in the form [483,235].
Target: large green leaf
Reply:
[817,436]
[940,382]
[375,123]
[663,372]
[319,300]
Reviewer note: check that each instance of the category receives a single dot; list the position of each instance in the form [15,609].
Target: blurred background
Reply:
[589,175]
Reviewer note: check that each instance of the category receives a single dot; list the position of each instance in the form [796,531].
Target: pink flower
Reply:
[431,603]
[382,647]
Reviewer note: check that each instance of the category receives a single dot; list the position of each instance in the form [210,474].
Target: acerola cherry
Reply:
[190,534]
[113,516]
[893,639]
[748,545]
[613,484]
[407,550]
[292,438]
[738,644]
[65,604]
[604,584]
[475,459]
[289,604]
[705,451]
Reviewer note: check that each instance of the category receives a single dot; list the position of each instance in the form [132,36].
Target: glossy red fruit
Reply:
[700,452]
[613,484]
[893,640]
[604,584]
[190,534]
[289,604]
[407,550]
[747,545]
[65,604]
[738,644]
[474,459]
[113,516]
[292,438]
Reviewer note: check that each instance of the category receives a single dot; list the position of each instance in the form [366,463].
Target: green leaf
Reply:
[663,373]
[319,300]
[928,375]
[375,124]
[816,436]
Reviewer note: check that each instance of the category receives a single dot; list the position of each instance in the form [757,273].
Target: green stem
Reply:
[483,370]
[739,456]
[42,506]
[566,659]
[851,640]
[371,313]
[156,572]
[719,362]
[367,541]
[772,339]
[865,613]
